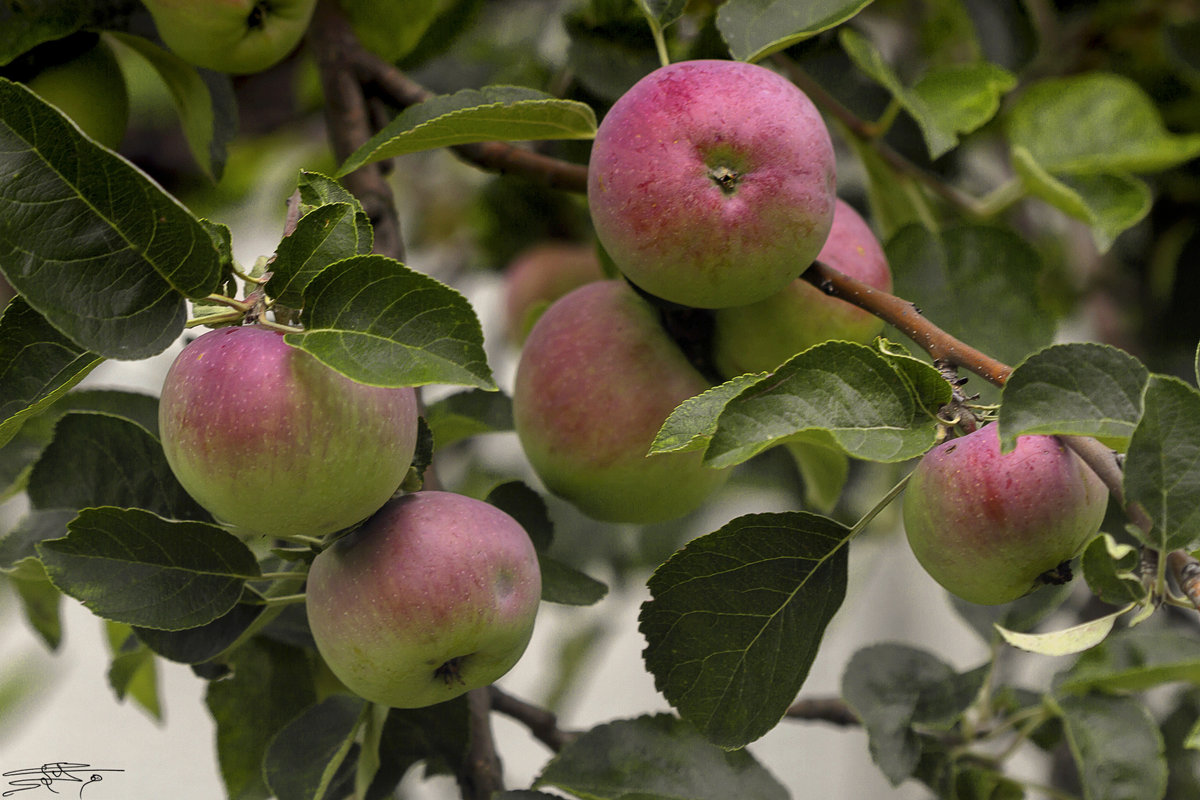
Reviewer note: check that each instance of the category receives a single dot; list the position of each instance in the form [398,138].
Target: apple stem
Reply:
[282,600]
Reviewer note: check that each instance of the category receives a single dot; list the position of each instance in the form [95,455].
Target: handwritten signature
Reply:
[56,772]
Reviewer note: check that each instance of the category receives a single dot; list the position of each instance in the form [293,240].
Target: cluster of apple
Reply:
[711,185]
[434,594]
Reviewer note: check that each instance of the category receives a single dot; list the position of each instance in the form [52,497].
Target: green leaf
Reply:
[892,687]
[204,101]
[946,102]
[1162,466]
[493,113]
[1110,203]
[100,460]
[19,545]
[824,472]
[1084,389]
[1112,571]
[438,735]
[978,283]
[566,585]
[391,30]
[836,394]
[129,565]
[895,199]
[663,12]
[41,603]
[19,455]
[27,25]
[656,758]
[1065,642]
[380,323]
[200,644]
[754,29]
[1134,660]
[470,413]
[736,618]
[312,754]
[133,671]
[269,686]
[1022,614]
[692,424]
[1117,746]
[1113,125]
[322,236]
[89,240]
[37,366]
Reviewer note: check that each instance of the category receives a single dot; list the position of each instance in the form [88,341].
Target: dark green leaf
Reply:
[978,283]
[1084,389]
[380,323]
[1096,123]
[736,618]
[204,101]
[100,460]
[312,754]
[91,242]
[1133,660]
[837,394]
[528,508]
[494,113]
[18,456]
[891,687]
[438,735]
[663,12]
[324,235]
[129,565]
[37,365]
[41,603]
[692,424]
[199,644]
[1113,571]
[566,585]
[269,686]
[1162,466]
[656,758]
[1117,746]
[133,672]
[36,526]
[470,413]
[756,28]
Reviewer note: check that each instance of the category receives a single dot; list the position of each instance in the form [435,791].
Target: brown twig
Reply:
[824,709]
[906,318]
[542,723]
[1185,569]
[481,774]
[348,120]
[499,157]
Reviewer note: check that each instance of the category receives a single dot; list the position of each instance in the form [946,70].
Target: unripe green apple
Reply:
[236,36]
[90,89]
[597,377]
[987,525]
[269,439]
[541,274]
[760,336]
[434,595]
[711,183]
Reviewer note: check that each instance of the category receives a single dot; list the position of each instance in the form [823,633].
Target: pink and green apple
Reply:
[434,595]
[760,336]
[597,377]
[235,36]
[988,525]
[267,438]
[541,274]
[712,183]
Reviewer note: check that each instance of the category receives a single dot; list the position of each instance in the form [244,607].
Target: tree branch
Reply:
[542,723]
[348,120]
[824,709]
[499,157]
[481,774]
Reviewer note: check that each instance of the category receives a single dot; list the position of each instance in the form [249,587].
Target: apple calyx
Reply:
[726,178]
[1057,576]
[450,672]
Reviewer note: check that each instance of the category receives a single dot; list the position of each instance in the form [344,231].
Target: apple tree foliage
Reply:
[1032,169]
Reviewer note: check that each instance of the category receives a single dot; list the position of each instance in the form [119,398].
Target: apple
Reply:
[597,377]
[235,36]
[760,336]
[541,274]
[711,183]
[988,526]
[434,595]
[90,89]
[267,438]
